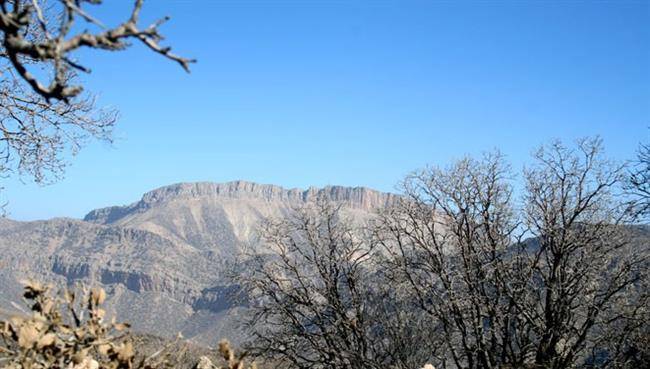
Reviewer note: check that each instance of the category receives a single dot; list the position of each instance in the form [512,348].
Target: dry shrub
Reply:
[233,360]
[66,331]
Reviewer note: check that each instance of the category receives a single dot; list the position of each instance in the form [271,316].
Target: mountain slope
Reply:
[164,258]
[215,217]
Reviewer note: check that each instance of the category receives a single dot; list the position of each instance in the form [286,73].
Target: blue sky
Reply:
[301,93]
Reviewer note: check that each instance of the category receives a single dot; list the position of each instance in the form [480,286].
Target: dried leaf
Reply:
[97,296]
[121,326]
[104,349]
[100,313]
[27,336]
[47,340]
[125,352]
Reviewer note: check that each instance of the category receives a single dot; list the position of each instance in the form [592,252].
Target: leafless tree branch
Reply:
[51,45]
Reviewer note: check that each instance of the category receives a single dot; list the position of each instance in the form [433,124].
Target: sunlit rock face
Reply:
[162,259]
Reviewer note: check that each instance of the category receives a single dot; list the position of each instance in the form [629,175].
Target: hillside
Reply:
[163,259]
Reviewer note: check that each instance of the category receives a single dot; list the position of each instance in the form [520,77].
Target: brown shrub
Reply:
[70,331]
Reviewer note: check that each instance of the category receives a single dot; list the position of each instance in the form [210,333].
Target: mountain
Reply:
[163,259]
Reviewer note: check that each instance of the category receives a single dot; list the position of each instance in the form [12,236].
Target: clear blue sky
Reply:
[301,93]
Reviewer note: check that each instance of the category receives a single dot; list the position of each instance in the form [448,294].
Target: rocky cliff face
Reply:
[355,197]
[162,259]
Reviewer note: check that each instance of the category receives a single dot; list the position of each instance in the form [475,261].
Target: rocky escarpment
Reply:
[72,250]
[355,197]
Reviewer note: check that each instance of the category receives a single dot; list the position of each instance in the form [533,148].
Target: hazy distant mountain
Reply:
[162,259]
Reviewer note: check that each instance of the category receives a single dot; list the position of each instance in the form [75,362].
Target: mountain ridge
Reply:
[356,197]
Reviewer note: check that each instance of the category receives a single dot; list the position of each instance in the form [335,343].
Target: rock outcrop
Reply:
[355,197]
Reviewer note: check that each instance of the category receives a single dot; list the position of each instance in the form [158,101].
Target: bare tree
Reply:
[37,135]
[462,274]
[44,113]
[585,273]
[314,303]
[448,243]
[639,183]
[571,294]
